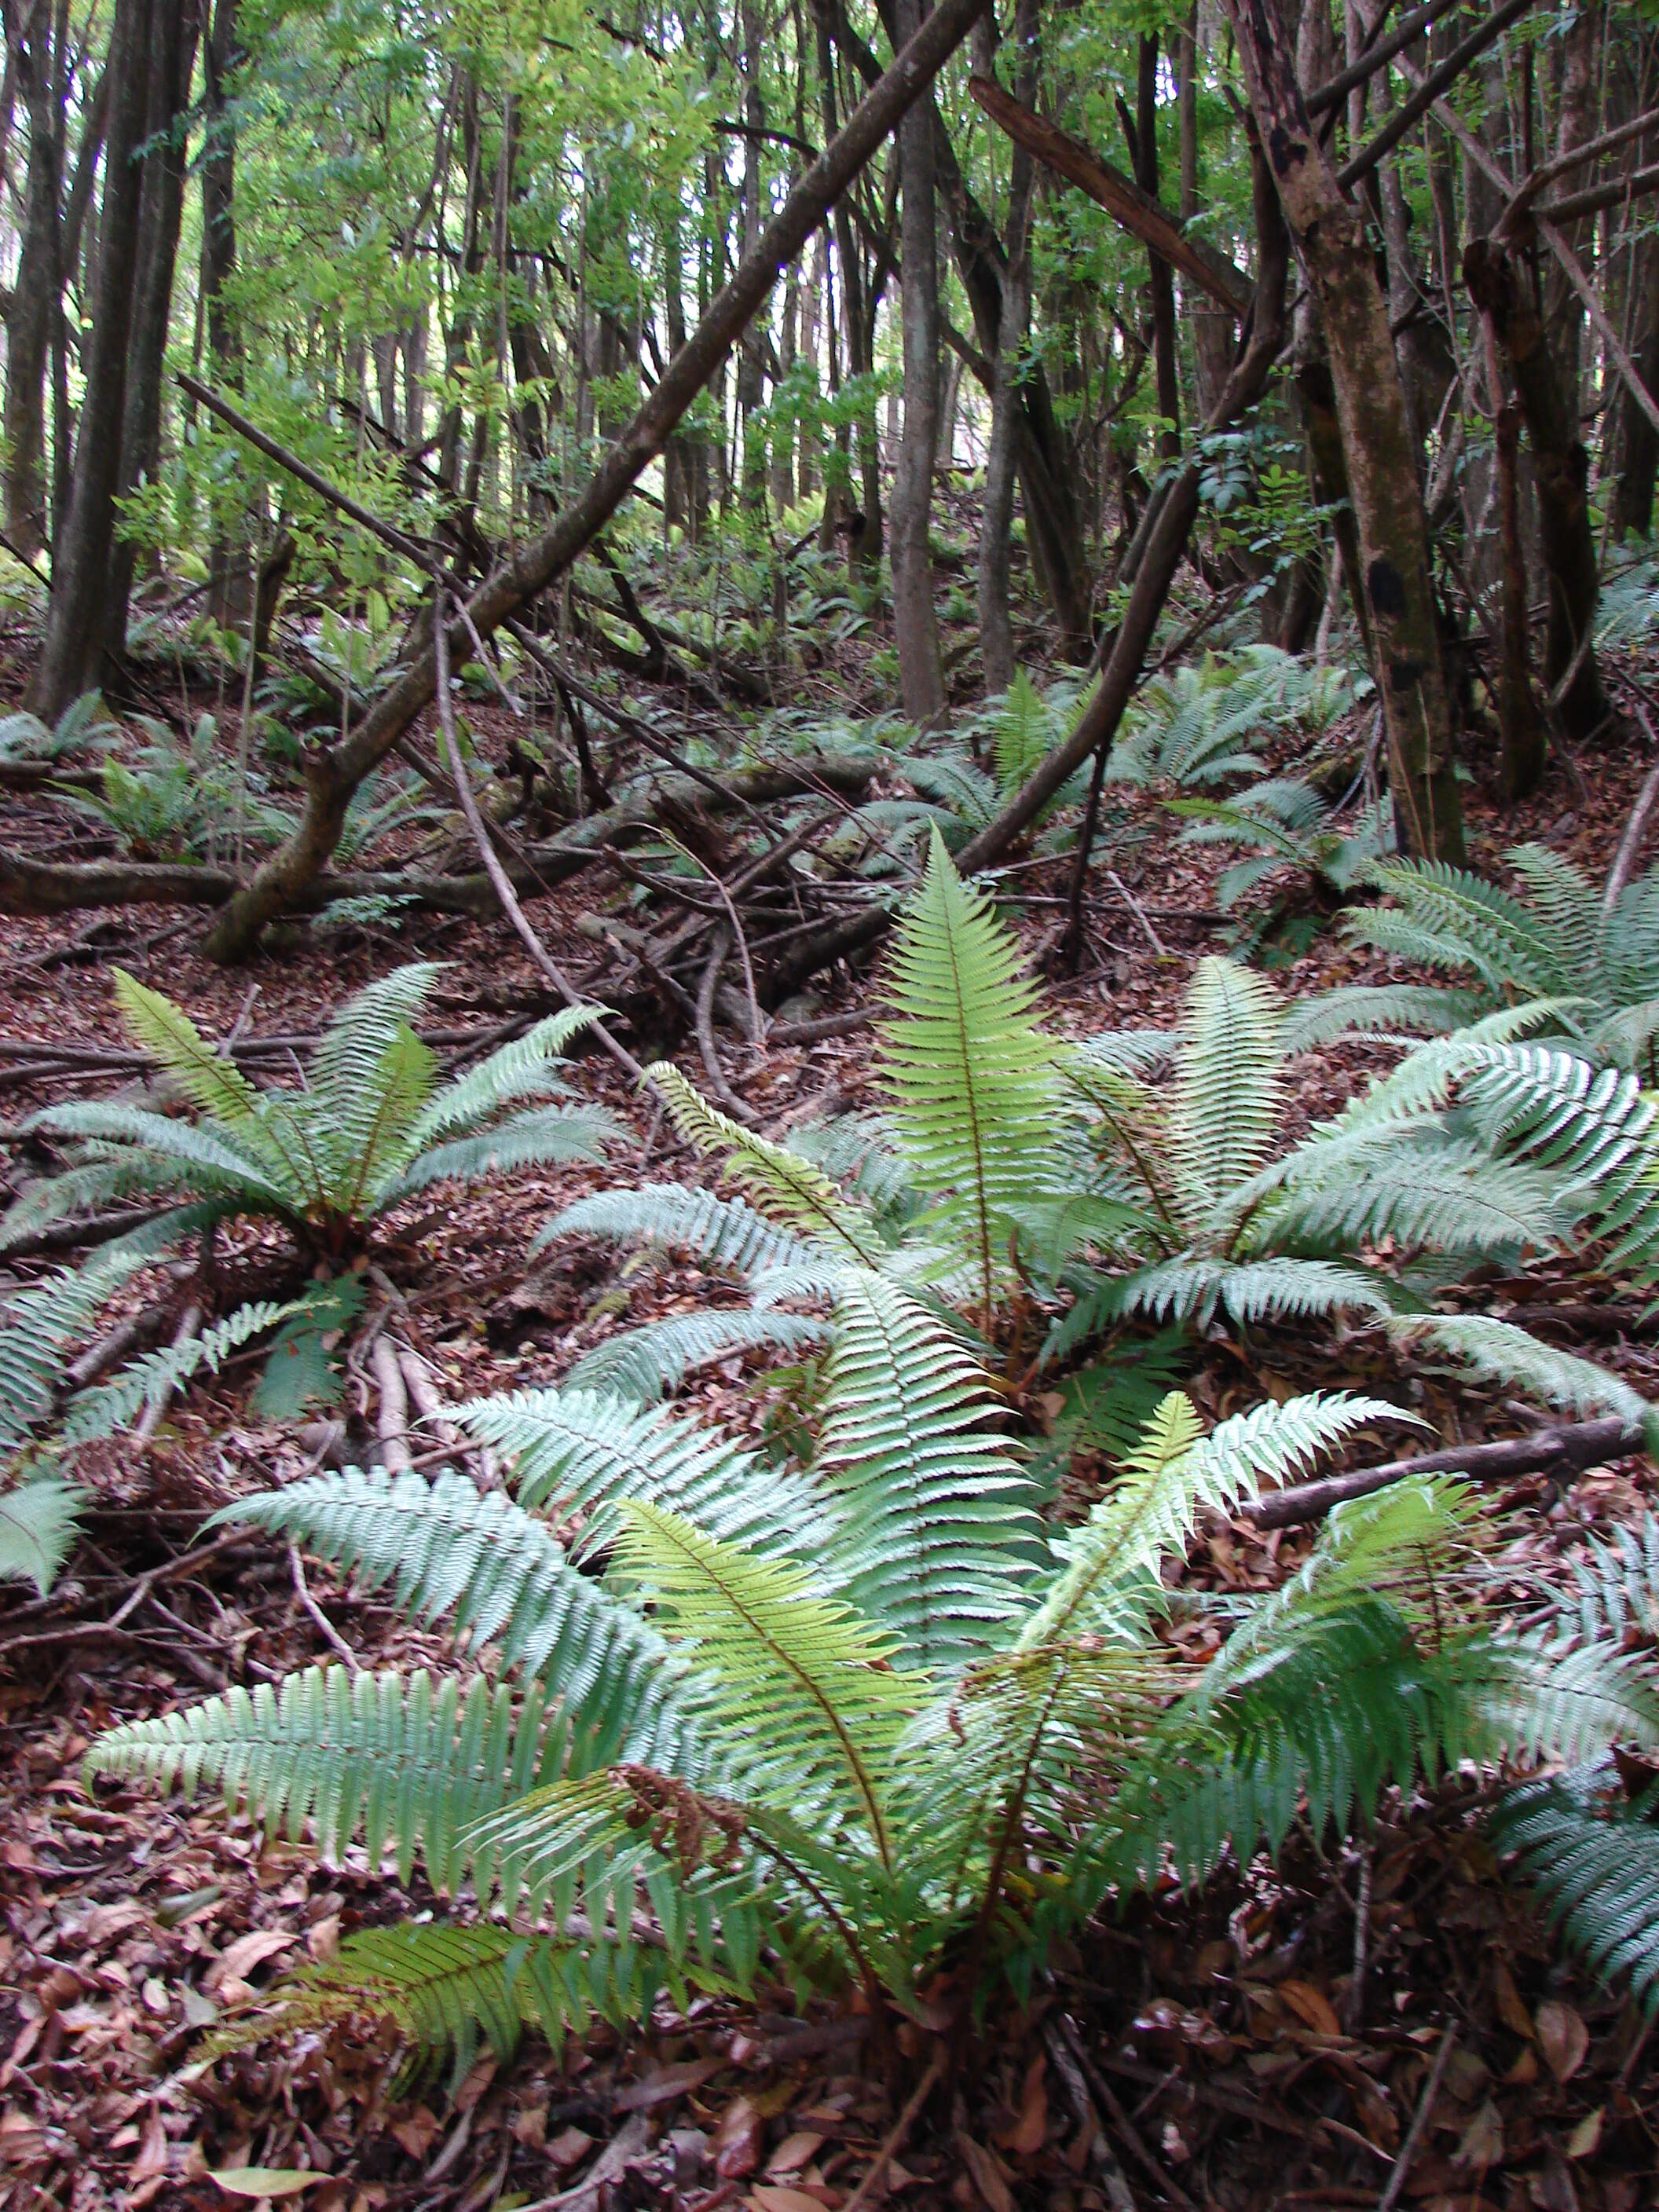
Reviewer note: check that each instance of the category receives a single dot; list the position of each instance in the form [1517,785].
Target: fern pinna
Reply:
[861,1719]
[371,1126]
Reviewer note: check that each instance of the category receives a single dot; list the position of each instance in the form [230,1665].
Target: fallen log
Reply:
[38,887]
[1566,1450]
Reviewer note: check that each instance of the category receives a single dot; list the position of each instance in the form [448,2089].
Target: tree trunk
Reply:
[996,635]
[1161,278]
[29,325]
[70,648]
[1639,441]
[228,556]
[1520,723]
[172,63]
[1330,239]
[915,630]
[1561,466]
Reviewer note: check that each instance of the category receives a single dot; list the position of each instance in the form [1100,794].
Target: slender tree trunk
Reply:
[1639,441]
[29,325]
[1549,405]
[172,63]
[1161,279]
[70,649]
[1330,239]
[1521,725]
[751,354]
[996,635]
[914,624]
[228,556]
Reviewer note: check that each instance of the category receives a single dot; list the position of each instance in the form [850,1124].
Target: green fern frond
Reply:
[1618,1589]
[1594,1858]
[1425,1009]
[968,1070]
[1499,1352]
[724,1233]
[545,1136]
[1228,1088]
[411,1763]
[592,1453]
[150,1380]
[209,1079]
[169,1155]
[782,1184]
[526,1068]
[346,1072]
[763,1637]
[434,1989]
[37,1326]
[652,1361]
[1283,1287]
[934,1529]
[1423,1190]
[1175,1474]
[503,1577]
[39,1517]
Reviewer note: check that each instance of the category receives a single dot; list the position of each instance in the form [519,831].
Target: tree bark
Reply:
[29,325]
[1521,726]
[1639,441]
[1331,243]
[171,63]
[71,647]
[915,630]
[1561,468]
[227,555]
[336,774]
[996,635]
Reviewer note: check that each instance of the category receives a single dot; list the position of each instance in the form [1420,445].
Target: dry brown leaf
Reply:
[987,2175]
[1311,2006]
[737,2141]
[1511,2009]
[152,2157]
[1562,2037]
[772,2196]
[569,2147]
[1030,2131]
[237,1959]
[417,2131]
[794,2152]
[666,2083]
[1482,2142]
[1586,2138]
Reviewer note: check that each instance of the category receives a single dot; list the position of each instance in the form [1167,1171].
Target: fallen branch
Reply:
[391,1423]
[324,1626]
[1135,211]
[492,861]
[1064,2057]
[1568,1449]
[334,776]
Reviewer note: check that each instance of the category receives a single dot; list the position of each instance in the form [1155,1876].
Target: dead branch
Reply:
[1566,1450]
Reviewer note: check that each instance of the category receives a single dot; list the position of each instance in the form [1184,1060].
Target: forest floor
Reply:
[1273,2042]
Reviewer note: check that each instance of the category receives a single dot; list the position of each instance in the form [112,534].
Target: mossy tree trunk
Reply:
[1329,233]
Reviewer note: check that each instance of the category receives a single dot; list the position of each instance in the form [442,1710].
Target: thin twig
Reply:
[325,1627]
[1064,2056]
[897,2135]
[1353,2010]
[1630,845]
[491,859]
[1139,912]
[1409,2149]
[155,1408]
[711,1059]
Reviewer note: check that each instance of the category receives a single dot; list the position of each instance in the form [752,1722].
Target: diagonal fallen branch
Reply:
[1568,1449]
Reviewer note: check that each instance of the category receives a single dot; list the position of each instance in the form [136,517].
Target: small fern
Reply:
[372,1128]
[1557,942]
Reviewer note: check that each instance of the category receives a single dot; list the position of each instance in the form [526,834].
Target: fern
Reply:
[727,1234]
[1498,1351]
[1556,944]
[653,1361]
[801,1709]
[372,1128]
[969,1072]
[1593,1855]
[39,1517]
